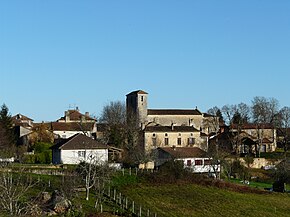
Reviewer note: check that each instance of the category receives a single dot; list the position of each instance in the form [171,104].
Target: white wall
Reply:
[72,156]
[200,168]
[68,134]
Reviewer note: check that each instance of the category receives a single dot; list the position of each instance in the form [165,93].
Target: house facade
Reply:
[79,148]
[246,139]
[265,135]
[173,136]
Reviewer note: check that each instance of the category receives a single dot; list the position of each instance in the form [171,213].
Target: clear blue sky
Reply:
[184,53]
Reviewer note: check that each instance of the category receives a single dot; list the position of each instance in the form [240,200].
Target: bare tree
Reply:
[283,123]
[114,118]
[94,172]
[264,111]
[122,131]
[13,191]
[212,122]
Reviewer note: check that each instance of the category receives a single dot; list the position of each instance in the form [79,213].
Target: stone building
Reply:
[169,127]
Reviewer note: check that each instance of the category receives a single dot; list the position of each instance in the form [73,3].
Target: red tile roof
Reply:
[75,115]
[184,152]
[20,117]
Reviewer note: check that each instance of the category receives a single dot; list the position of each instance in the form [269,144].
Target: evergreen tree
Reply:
[7,136]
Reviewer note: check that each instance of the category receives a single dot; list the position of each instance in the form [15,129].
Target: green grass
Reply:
[194,200]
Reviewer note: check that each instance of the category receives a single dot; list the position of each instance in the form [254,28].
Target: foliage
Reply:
[7,136]
[42,154]
[170,172]
[282,172]
[239,170]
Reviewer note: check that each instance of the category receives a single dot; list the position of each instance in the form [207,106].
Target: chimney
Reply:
[172,126]
[87,114]
[66,116]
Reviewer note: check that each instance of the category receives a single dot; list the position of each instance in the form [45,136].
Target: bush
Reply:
[29,159]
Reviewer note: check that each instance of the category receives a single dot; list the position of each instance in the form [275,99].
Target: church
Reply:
[170,127]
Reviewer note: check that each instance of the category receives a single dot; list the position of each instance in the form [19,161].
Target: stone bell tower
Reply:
[136,105]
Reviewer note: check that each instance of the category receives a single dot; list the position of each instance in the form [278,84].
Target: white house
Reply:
[192,157]
[74,122]
[79,148]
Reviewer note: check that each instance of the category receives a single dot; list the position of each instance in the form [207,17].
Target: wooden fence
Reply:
[127,205]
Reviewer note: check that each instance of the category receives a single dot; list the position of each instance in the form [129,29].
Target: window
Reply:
[178,141]
[207,162]
[142,99]
[191,141]
[81,154]
[154,142]
[188,163]
[154,135]
[198,162]
[166,134]
[166,141]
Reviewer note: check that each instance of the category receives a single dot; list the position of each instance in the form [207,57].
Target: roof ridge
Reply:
[70,139]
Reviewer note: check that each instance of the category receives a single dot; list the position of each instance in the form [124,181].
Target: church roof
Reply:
[174,112]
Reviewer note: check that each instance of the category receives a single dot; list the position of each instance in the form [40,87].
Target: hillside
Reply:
[195,200]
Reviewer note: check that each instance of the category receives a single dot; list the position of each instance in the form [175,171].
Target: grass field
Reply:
[194,200]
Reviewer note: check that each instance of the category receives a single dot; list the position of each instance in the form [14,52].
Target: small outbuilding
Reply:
[193,158]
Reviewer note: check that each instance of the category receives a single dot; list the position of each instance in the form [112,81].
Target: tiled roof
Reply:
[170,129]
[75,115]
[184,152]
[79,141]
[71,126]
[137,92]
[266,140]
[21,117]
[174,112]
